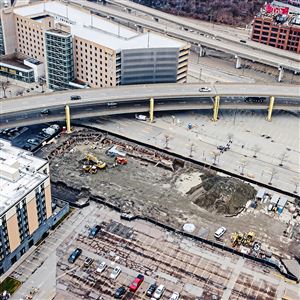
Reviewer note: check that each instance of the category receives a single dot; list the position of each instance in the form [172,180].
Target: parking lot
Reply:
[193,270]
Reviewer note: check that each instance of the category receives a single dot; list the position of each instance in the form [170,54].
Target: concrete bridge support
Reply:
[201,51]
[280,75]
[238,62]
[68,118]
[270,109]
[216,108]
[151,110]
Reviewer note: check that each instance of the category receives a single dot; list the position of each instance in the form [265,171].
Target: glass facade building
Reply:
[2,49]
[59,58]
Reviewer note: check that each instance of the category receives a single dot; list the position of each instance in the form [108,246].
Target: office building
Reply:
[25,202]
[277,27]
[79,48]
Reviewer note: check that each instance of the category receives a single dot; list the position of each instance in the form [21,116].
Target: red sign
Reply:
[270,9]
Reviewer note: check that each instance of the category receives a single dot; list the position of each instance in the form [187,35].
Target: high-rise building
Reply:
[79,47]
[277,27]
[25,202]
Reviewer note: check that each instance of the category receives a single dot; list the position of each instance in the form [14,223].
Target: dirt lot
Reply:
[150,187]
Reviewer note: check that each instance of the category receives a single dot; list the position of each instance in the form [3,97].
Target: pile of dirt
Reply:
[223,195]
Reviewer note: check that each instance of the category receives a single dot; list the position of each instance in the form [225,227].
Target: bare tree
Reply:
[4,84]
[192,149]
[42,83]
[230,137]
[243,165]
[255,149]
[295,182]
[272,175]
[215,155]
[166,141]
[282,158]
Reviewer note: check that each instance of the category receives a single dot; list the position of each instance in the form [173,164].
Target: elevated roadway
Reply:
[287,61]
[135,99]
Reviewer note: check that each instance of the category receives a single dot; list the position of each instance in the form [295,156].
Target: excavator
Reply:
[249,238]
[93,160]
[236,238]
[90,169]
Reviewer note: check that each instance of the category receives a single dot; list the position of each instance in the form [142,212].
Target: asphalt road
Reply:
[135,99]
[244,51]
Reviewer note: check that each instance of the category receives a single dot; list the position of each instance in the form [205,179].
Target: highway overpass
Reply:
[135,99]
[272,57]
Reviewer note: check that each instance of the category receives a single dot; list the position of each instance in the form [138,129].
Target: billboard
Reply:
[275,10]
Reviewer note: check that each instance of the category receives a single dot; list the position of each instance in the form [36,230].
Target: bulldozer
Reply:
[93,160]
[249,238]
[236,238]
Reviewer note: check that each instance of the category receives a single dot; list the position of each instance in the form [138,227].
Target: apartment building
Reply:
[276,27]
[25,202]
[80,48]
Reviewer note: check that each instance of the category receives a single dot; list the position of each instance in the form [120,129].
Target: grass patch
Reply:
[9,284]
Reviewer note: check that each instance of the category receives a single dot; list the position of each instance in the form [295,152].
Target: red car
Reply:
[136,283]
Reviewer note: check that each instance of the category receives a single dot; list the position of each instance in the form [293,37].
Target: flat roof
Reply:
[89,26]
[19,176]
[11,63]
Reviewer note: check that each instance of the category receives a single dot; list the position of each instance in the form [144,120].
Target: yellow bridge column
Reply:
[151,112]
[68,118]
[216,108]
[270,109]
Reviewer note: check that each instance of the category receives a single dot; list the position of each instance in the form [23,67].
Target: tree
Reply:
[215,155]
[283,158]
[243,165]
[295,182]
[272,173]
[167,140]
[42,83]
[4,84]
[192,149]
[255,149]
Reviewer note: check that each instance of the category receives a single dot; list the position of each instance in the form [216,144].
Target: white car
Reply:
[158,292]
[115,273]
[175,296]
[220,232]
[101,267]
[205,89]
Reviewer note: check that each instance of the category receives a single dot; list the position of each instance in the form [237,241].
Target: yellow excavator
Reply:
[93,160]
[249,238]
[236,238]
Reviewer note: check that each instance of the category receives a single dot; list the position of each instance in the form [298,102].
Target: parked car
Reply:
[87,262]
[158,292]
[152,287]
[220,232]
[175,296]
[74,255]
[45,111]
[94,231]
[243,41]
[75,97]
[136,283]
[102,266]
[120,292]
[205,89]
[115,273]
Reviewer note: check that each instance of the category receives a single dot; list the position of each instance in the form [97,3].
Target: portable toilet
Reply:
[260,194]
[281,204]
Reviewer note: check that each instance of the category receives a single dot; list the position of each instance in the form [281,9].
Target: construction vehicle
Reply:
[236,238]
[93,160]
[90,169]
[248,239]
[121,160]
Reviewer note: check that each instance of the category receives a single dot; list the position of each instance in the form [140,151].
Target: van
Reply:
[220,232]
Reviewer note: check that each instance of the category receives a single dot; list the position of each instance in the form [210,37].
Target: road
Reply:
[135,99]
[290,62]
[203,28]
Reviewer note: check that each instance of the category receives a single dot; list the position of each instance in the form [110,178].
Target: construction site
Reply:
[89,165]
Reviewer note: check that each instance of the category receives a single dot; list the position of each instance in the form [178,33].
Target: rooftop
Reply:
[99,30]
[14,63]
[19,174]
